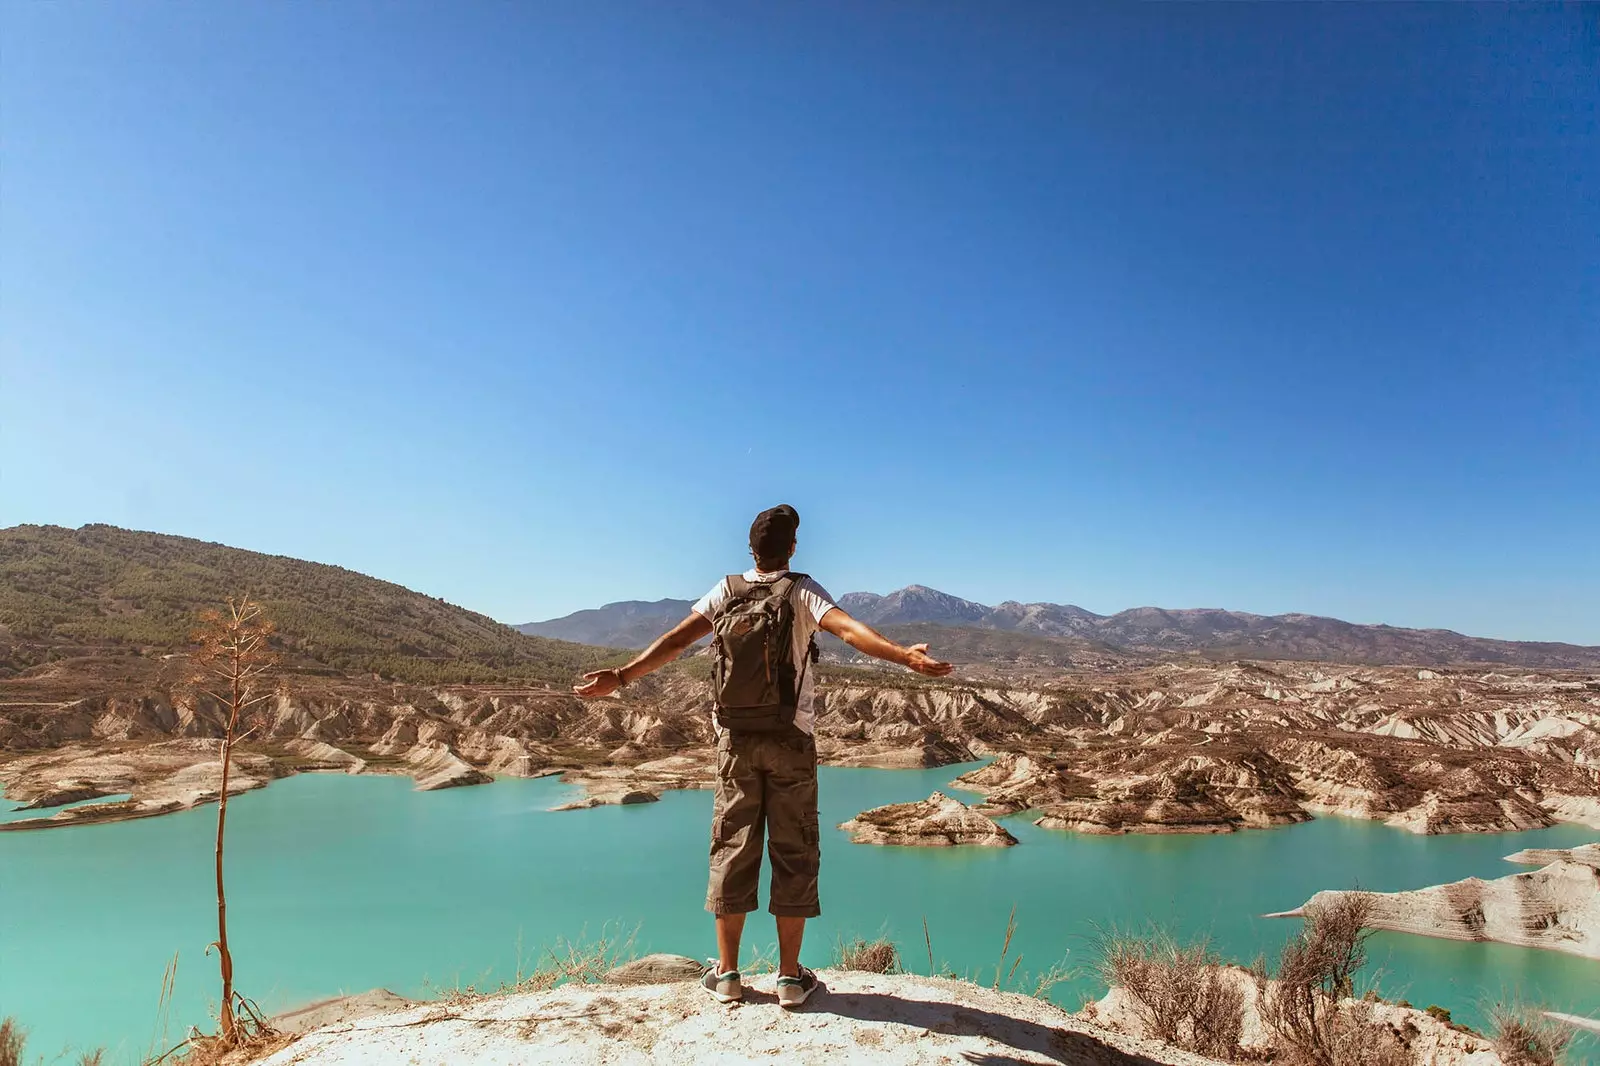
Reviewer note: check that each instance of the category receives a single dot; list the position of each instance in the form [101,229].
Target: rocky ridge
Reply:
[1173,748]
[1249,745]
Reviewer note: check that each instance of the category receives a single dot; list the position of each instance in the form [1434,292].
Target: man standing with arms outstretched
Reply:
[763,625]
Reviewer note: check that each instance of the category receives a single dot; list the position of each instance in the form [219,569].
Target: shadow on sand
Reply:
[1031,1038]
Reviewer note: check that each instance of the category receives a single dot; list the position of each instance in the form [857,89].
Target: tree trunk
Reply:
[229,1035]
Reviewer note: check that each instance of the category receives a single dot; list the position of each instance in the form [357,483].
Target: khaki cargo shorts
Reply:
[766,783]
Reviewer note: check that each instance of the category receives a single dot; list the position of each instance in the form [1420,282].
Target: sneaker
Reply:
[723,987]
[793,991]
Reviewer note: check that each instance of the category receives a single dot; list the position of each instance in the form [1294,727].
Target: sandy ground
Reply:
[854,1018]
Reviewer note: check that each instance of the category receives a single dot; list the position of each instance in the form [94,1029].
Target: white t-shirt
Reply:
[814,602]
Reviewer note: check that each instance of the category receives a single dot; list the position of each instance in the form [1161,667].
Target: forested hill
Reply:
[105,585]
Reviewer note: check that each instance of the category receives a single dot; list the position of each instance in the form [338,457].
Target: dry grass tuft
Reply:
[12,1039]
[868,956]
[580,961]
[762,960]
[1525,1037]
[1012,978]
[1181,992]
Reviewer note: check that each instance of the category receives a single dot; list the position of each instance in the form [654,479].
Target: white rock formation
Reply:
[435,766]
[1588,854]
[324,756]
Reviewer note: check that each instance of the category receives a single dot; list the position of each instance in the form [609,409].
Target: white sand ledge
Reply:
[1575,1020]
[856,1018]
[1556,906]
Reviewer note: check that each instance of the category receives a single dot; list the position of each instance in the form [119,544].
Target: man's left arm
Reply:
[666,648]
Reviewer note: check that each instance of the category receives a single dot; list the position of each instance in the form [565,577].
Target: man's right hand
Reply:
[597,684]
[918,659]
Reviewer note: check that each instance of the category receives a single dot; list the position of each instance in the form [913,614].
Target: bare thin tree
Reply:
[1305,1005]
[231,665]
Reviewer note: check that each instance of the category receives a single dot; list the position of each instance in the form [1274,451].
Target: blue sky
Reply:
[532,306]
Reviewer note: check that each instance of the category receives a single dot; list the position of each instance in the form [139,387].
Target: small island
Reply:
[936,822]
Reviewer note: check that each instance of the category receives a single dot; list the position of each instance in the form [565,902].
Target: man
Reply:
[764,622]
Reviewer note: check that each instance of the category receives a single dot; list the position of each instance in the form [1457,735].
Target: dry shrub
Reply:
[12,1039]
[1317,970]
[868,956]
[1357,1038]
[1525,1037]
[1218,1020]
[1181,992]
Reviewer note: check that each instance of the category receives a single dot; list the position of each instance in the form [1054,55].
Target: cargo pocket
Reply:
[719,830]
[810,835]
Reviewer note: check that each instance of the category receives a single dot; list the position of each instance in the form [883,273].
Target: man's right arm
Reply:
[869,641]
[666,648]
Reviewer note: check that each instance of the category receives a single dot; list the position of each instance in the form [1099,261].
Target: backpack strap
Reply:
[786,585]
[738,587]
[790,583]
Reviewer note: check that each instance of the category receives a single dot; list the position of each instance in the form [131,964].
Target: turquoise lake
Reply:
[341,884]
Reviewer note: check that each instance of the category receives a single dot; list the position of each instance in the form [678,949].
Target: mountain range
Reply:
[65,593]
[1064,634]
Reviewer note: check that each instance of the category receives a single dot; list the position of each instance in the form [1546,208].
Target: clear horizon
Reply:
[1274,308]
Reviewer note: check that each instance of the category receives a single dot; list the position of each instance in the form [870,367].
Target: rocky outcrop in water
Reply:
[936,822]
[1587,854]
[159,778]
[1143,790]
[1555,907]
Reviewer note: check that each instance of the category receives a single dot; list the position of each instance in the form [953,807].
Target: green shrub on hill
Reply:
[102,584]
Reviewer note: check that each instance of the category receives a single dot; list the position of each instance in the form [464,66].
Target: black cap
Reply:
[772,533]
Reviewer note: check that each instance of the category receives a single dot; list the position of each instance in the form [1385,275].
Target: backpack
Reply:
[756,682]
